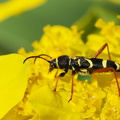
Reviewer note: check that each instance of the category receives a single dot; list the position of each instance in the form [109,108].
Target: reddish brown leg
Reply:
[56,84]
[107,70]
[56,79]
[56,73]
[72,88]
[60,75]
[101,49]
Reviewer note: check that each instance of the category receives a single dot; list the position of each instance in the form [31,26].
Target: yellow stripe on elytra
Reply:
[90,62]
[69,61]
[104,63]
[57,63]
[79,62]
[73,68]
[117,65]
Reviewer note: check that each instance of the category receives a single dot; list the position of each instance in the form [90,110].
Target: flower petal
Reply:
[45,102]
[13,81]
[14,7]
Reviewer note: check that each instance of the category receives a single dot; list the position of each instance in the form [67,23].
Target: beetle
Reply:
[81,65]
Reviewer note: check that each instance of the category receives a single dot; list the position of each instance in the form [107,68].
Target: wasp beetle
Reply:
[81,65]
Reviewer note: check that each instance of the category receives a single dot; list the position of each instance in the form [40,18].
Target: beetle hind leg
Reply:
[108,70]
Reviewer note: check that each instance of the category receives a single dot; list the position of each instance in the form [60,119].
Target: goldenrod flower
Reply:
[15,7]
[96,101]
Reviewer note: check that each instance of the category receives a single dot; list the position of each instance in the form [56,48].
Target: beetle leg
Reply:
[108,70]
[72,85]
[101,49]
[60,75]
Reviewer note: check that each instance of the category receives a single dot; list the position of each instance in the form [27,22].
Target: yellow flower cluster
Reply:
[96,101]
[109,34]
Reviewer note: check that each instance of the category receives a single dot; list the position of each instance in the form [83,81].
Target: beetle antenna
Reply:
[39,56]
[45,55]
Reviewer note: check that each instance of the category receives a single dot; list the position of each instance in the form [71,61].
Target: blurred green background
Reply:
[21,30]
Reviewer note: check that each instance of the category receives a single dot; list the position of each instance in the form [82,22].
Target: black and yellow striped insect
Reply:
[81,65]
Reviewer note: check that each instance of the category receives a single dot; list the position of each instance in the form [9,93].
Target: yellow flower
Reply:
[90,101]
[56,41]
[15,7]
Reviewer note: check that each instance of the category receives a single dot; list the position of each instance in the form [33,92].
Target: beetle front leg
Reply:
[60,75]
